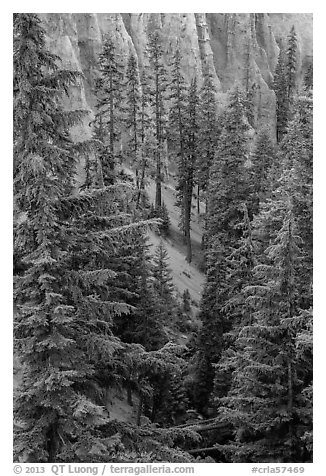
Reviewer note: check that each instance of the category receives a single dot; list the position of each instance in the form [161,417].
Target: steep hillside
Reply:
[185,275]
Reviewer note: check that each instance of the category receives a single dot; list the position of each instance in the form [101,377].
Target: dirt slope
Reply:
[185,275]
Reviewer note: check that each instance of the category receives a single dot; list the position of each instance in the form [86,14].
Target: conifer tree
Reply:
[249,86]
[133,283]
[239,264]
[158,98]
[285,83]
[145,159]
[56,419]
[134,115]
[229,174]
[178,137]
[64,287]
[169,399]
[280,88]
[297,156]
[269,403]
[108,90]
[186,302]
[208,129]
[187,173]
[192,144]
[133,106]
[264,160]
[264,404]
[308,78]
[162,273]
[66,297]
[292,66]
[228,192]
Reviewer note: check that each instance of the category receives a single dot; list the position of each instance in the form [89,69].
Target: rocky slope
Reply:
[234,47]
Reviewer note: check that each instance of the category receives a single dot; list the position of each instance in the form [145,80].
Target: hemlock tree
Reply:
[207,130]
[239,264]
[134,116]
[56,421]
[146,153]
[297,156]
[309,78]
[229,187]
[291,67]
[228,192]
[162,274]
[108,90]
[265,404]
[177,136]
[133,103]
[192,143]
[285,83]
[158,93]
[249,86]
[133,283]
[264,160]
[187,178]
[63,325]
[270,401]
[280,88]
[169,400]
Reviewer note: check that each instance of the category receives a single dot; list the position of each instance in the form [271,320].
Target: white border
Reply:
[319,197]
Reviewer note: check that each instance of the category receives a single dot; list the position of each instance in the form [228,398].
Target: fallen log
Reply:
[202,450]
[195,423]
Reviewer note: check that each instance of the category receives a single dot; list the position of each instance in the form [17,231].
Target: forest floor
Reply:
[185,275]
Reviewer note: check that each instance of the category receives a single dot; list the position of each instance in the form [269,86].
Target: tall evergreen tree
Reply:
[285,83]
[264,161]
[147,151]
[65,298]
[137,123]
[309,78]
[265,403]
[162,273]
[133,107]
[182,136]
[158,98]
[192,140]
[270,400]
[239,265]
[292,66]
[208,129]
[108,90]
[229,174]
[56,419]
[228,191]
[280,88]
[297,156]
[133,281]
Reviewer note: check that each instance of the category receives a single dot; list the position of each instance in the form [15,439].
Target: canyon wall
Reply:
[235,48]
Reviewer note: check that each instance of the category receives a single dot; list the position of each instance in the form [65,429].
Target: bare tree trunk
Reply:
[290,401]
[52,443]
[129,395]
[187,220]
[198,202]
[111,119]
[140,409]
[158,195]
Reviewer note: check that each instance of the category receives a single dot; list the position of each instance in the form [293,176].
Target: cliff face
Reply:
[235,48]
